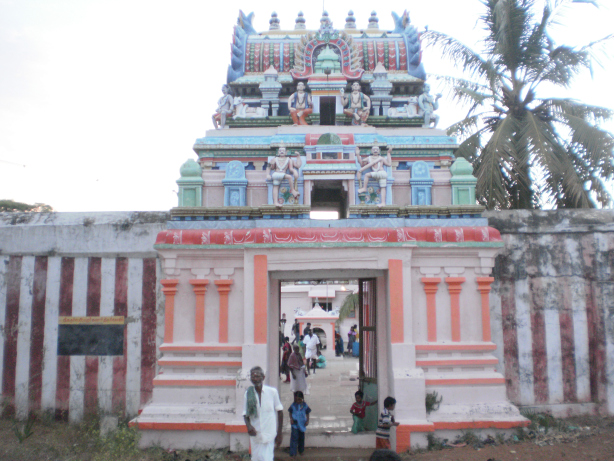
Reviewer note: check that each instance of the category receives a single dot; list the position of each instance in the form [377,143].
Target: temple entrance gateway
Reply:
[410,232]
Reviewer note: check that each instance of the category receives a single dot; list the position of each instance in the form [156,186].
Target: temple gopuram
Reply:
[328,120]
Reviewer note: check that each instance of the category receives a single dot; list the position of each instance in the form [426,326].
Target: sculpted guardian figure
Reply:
[224,109]
[429,104]
[358,105]
[376,162]
[280,168]
[300,105]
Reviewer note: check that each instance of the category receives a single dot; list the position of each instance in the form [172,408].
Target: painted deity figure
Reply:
[358,105]
[225,108]
[300,105]
[429,104]
[376,162]
[283,167]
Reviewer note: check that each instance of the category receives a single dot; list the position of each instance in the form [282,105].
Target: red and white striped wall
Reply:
[34,291]
[552,312]
[552,309]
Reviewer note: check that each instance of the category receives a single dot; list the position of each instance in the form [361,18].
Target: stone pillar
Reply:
[484,289]
[169,289]
[200,288]
[395,288]
[454,288]
[223,288]
[430,288]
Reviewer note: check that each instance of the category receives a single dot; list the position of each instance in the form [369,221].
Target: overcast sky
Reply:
[101,100]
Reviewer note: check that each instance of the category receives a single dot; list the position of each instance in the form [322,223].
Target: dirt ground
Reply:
[574,439]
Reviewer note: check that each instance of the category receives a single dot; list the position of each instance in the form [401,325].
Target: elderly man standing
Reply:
[259,413]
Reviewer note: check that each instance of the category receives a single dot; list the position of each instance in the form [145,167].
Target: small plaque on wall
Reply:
[91,335]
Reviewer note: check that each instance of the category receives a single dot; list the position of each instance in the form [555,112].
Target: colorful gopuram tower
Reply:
[327,120]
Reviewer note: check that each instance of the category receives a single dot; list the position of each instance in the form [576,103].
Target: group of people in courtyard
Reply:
[263,414]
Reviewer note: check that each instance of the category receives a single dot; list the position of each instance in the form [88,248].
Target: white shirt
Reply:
[311,343]
[265,422]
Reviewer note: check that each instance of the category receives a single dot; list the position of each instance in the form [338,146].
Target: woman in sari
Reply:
[297,372]
[286,349]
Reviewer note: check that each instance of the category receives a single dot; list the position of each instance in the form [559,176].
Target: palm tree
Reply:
[528,150]
[350,305]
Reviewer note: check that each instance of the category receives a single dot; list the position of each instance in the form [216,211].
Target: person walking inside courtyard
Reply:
[385,422]
[299,420]
[358,412]
[263,414]
[312,349]
[297,372]
[296,331]
[286,351]
[351,339]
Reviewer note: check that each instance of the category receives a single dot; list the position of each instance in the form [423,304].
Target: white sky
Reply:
[101,100]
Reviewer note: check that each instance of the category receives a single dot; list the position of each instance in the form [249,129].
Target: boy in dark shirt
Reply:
[299,420]
[358,412]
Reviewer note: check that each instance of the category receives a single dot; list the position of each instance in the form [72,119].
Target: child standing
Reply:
[358,412]
[299,420]
[385,422]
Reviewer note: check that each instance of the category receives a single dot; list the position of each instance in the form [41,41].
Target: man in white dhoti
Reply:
[312,347]
[263,414]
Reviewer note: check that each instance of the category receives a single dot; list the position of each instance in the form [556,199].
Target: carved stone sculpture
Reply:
[408,110]
[224,109]
[300,105]
[429,104]
[242,110]
[280,168]
[358,105]
[376,162]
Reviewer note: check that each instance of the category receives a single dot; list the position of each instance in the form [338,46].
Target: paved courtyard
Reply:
[331,394]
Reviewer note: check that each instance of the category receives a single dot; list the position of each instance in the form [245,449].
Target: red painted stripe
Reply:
[62,392]
[121,308]
[91,385]
[455,425]
[570,393]
[510,338]
[93,287]
[148,329]
[39,292]
[94,281]
[538,331]
[13,288]
[66,285]
[182,348]
[456,347]
[596,344]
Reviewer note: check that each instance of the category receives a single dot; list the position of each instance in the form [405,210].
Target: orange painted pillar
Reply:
[395,288]
[484,289]
[454,288]
[200,288]
[223,288]
[261,291]
[430,288]
[169,288]
[403,438]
